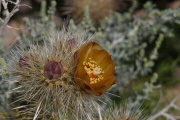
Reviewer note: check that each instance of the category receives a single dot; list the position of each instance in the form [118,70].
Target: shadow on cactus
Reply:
[57,81]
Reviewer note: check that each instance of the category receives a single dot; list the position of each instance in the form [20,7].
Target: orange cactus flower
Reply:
[95,69]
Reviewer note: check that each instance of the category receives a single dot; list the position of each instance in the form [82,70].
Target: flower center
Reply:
[94,71]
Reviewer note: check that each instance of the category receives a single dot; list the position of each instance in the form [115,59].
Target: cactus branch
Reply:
[164,113]
[8,13]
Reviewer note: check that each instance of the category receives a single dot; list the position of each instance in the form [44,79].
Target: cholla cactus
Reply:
[98,9]
[46,74]
[124,112]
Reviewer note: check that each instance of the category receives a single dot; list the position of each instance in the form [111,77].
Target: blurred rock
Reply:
[174,4]
[11,35]
[140,12]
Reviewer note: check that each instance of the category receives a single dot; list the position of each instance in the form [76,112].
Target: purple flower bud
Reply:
[23,62]
[53,70]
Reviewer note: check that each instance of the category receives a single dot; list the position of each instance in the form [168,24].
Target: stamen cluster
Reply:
[95,72]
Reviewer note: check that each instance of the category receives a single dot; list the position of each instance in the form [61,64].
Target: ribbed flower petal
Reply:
[86,49]
[104,60]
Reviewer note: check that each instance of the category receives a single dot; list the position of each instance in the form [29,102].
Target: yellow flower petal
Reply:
[83,52]
[95,69]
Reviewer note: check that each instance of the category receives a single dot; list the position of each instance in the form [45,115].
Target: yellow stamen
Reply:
[94,71]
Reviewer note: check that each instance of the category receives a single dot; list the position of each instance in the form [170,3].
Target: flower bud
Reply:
[53,70]
[23,62]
